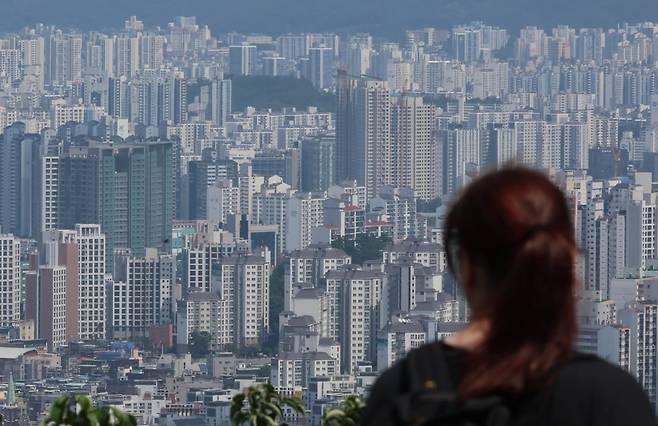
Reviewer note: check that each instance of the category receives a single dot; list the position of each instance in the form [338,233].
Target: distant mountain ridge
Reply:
[380,17]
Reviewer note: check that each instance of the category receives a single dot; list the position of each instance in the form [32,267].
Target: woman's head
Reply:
[510,240]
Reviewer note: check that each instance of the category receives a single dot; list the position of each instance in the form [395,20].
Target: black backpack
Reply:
[431,397]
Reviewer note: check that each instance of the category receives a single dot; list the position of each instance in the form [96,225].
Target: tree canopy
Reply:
[262,92]
[199,344]
[363,248]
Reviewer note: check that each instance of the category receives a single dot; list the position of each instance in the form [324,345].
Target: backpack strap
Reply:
[428,370]
[430,389]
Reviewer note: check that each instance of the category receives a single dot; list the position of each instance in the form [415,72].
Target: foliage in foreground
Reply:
[261,405]
[347,414]
[78,411]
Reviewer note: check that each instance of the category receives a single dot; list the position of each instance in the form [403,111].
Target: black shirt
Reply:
[588,392]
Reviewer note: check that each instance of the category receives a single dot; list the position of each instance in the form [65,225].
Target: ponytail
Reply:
[527,256]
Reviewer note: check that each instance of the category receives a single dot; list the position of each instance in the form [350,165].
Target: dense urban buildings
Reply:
[170,235]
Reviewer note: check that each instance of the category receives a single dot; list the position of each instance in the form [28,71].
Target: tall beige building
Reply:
[363,132]
[414,148]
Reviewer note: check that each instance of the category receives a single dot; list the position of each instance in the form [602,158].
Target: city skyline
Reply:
[162,249]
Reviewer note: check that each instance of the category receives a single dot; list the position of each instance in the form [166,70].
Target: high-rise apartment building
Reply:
[129,189]
[46,297]
[354,297]
[223,202]
[10,280]
[309,267]
[203,174]
[63,58]
[596,245]
[28,196]
[236,309]
[304,212]
[317,163]
[198,261]
[293,46]
[244,281]
[363,132]
[641,223]
[460,154]
[151,51]
[395,340]
[220,101]
[91,247]
[117,97]
[33,59]
[126,56]
[10,175]
[466,44]
[398,206]
[642,320]
[321,67]
[292,369]
[142,293]
[414,146]
[52,292]
[242,60]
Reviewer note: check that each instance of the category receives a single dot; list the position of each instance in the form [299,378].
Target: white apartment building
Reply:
[460,154]
[46,302]
[431,255]
[295,369]
[61,113]
[142,293]
[642,320]
[243,282]
[610,342]
[310,265]
[269,207]
[223,200]
[354,298]
[91,279]
[10,280]
[596,247]
[395,340]
[641,222]
[203,311]
[304,213]
[351,193]
[399,207]
[49,192]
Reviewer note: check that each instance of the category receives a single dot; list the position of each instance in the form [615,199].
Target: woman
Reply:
[511,246]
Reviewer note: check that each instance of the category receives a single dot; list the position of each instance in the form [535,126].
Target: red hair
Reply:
[513,227]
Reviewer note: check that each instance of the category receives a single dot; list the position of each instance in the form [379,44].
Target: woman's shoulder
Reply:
[589,370]
[418,360]
[614,396]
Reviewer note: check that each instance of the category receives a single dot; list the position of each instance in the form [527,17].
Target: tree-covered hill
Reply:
[278,92]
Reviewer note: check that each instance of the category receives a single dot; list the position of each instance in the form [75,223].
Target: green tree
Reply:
[200,344]
[347,414]
[363,248]
[262,92]
[261,405]
[78,411]
[277,290]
